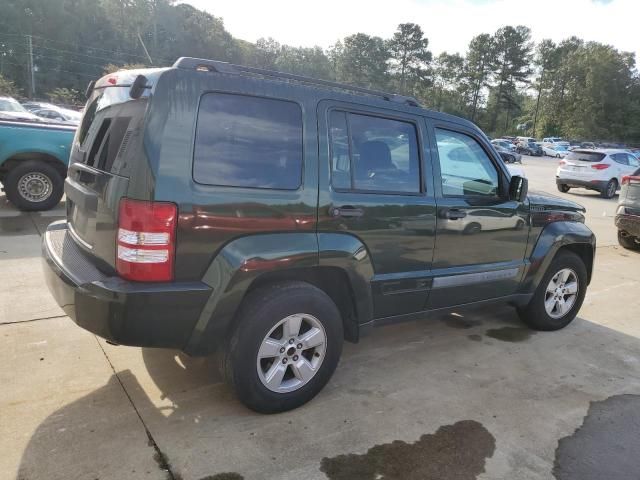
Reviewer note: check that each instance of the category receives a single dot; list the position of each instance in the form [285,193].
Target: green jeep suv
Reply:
[269,217]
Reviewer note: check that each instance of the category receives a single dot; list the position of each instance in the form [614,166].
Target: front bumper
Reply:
[629,224]
[598,185]
[123,312]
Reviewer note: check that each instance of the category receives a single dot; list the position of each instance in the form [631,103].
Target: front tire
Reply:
[628,242]
[563,187]
[559,295]
[285,348]
[34,186]
[610,189]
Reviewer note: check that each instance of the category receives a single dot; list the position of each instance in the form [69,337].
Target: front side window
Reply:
[465,167]
[244,141]
[373,154]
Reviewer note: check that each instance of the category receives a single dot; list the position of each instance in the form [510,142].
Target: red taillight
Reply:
[562,162]
[628,179]
[146,240]
[600,166]
[112,80]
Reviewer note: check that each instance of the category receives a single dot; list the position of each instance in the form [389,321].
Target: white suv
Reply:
[600,170]
[554,141]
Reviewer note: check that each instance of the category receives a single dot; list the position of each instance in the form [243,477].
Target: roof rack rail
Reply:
[201,64]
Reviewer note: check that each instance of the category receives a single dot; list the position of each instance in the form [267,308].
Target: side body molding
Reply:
[245,259]
[551,239]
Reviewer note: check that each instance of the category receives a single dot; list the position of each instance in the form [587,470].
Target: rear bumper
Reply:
[629,224]
[127,313]
[598,185]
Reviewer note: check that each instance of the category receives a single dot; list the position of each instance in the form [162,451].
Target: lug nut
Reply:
[284,360]
[290,340]
[295,358]
[299,346]
[282,350]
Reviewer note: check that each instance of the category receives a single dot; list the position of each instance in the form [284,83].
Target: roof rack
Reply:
[201,64]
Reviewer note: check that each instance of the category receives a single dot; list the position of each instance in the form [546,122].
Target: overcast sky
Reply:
[449,24]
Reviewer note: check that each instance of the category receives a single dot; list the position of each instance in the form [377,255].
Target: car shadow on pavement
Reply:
[197,428]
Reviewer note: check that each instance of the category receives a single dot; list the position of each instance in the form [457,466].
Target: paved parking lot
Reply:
[460,396]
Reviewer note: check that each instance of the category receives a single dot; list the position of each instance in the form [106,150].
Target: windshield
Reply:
[561,147]
[585,156]
[7,105]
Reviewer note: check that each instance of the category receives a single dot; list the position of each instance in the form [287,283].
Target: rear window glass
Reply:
[244,141]
[585,156]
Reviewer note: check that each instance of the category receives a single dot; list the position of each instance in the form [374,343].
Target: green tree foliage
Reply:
[409,51]
[510,66]
[479,61]
[571,88]
[7,88]
[444,93]
[362,60]
[65,96]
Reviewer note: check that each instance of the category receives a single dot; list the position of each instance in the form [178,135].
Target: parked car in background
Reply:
[508,155]
[529,146]
[506,144]
[554,141]
[10,109]
[139,262]
[601,170]
[59,115]
[628,214]
[555,150]
[33,163]
[590,145]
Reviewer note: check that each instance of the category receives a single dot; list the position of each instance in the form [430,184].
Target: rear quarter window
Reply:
[244,141]
[585,156]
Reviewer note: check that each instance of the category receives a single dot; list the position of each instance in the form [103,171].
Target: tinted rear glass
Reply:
[245,141]
[585,156]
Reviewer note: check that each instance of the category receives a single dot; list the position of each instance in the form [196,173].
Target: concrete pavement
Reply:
[461,396]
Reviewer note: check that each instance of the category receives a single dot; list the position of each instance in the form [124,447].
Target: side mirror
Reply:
[518,188]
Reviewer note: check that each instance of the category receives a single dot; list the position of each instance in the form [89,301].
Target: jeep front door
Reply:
[481,235]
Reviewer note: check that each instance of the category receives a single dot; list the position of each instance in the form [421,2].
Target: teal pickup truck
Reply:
[33,163]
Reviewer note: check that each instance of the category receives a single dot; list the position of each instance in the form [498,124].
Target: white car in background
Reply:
[59,115]
[554,141]
[556,150]
[500,142]
[601,170]
[10,109]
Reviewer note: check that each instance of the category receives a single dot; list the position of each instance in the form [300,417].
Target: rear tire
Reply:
[537,314]
[610,189]
[628,242]
[563,187]
[283,379]
[32,186]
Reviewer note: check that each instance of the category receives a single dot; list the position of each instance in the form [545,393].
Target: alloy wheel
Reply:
[291,353]
[561,293]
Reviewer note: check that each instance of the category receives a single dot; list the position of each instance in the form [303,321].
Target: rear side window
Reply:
[585,156]
[244,141]
[373,154]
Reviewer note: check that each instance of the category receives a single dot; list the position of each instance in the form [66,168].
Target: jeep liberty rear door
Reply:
[373,166]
